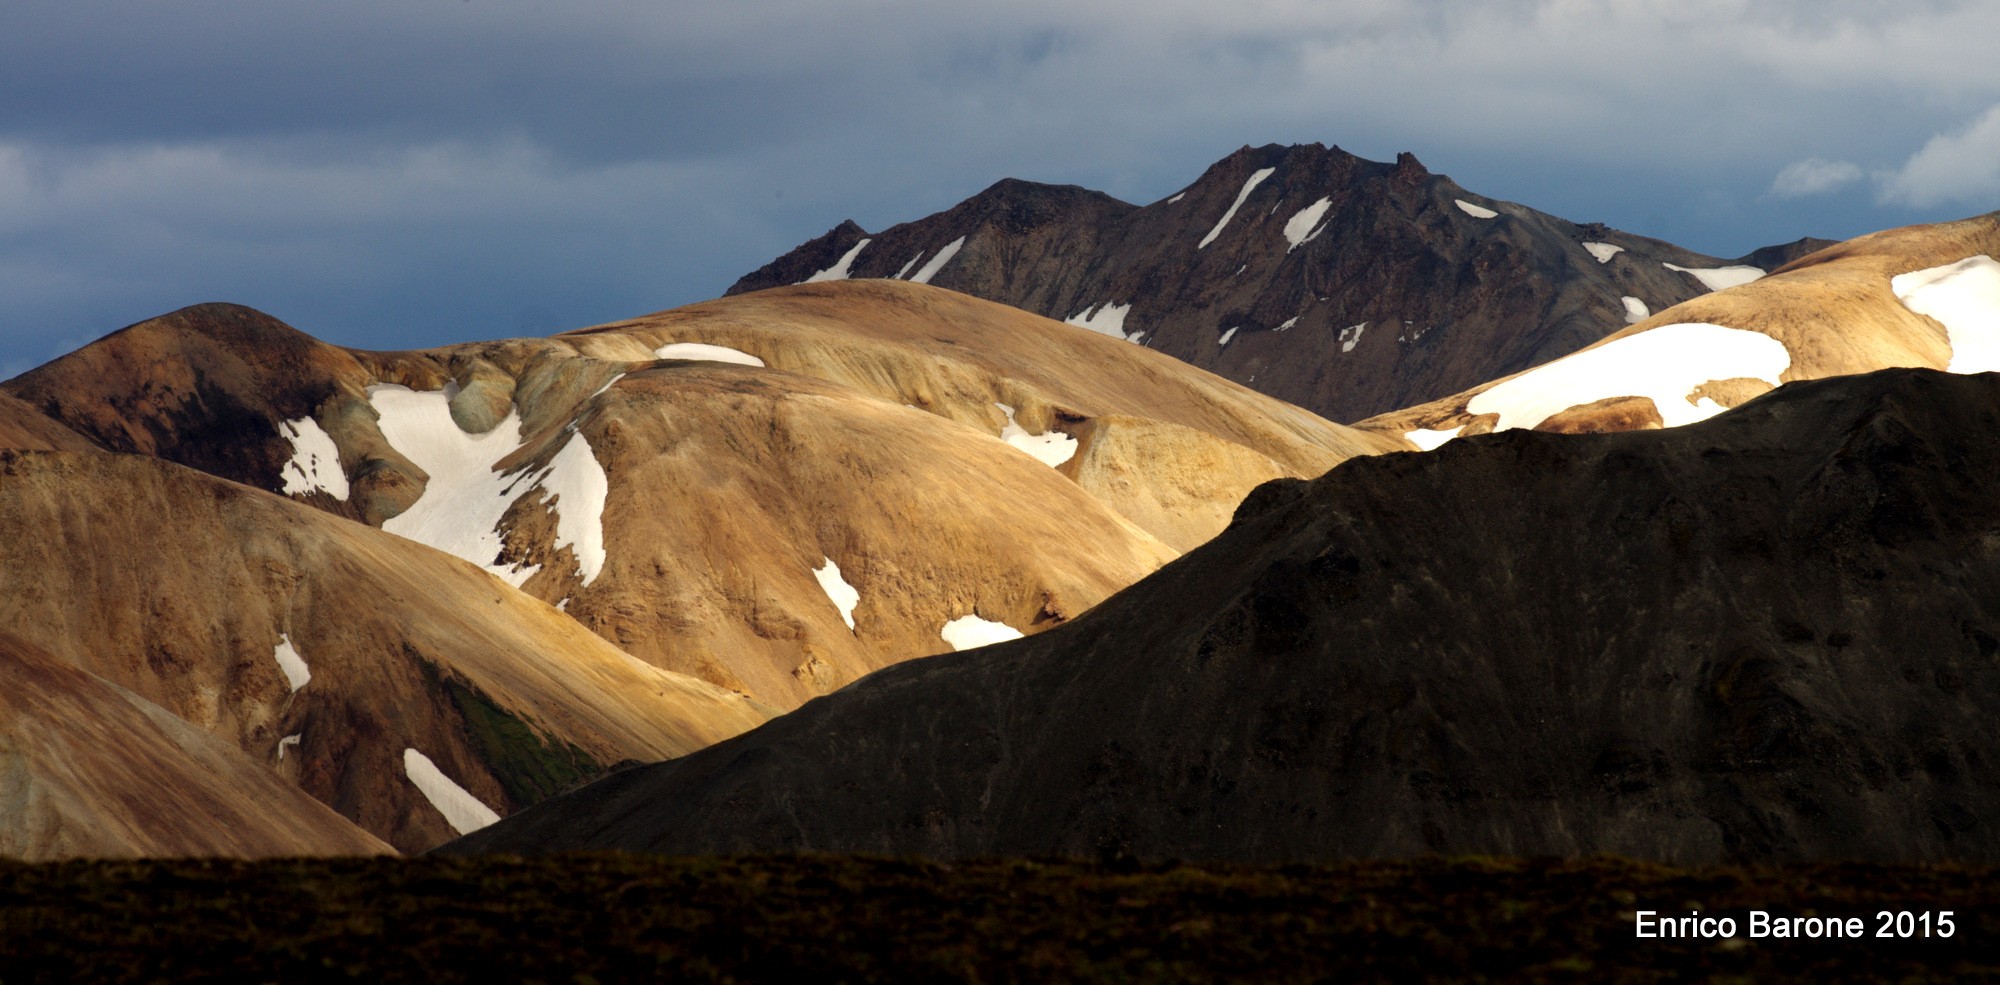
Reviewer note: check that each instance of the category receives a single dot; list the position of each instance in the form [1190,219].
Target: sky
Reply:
[412,173]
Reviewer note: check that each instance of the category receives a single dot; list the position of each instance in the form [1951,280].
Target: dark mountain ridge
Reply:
[1346,286]
[1768,636]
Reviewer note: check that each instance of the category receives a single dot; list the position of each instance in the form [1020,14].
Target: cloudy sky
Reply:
[399,173]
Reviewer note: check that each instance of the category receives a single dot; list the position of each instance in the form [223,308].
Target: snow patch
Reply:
[907,264]
[315,463]
[1603,251]
[1965,298]
[1475,211]
[461,809]
[1300,227]
[1719,278]
[289,661]
[1255,180]
[1635,310]
[839,270]
[1289,322]
[843,595]
[711,353]
[937,262]
[1665,364]
[967,632]
[1430,440]
[1176,198]
[1227,335]
[290,740]
[1105,319]
[465,498]
[1051,449]
[1351,336]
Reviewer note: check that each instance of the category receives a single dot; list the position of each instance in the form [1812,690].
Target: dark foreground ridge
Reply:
[1771,636]
[606,918]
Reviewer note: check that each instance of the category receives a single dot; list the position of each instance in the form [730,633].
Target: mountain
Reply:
[1770,635]
[1913,296]
[356,666]
[427,589]
[708,516]
[91,770]
[1345,286]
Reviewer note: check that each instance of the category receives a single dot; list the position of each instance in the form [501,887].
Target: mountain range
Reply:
[359,601]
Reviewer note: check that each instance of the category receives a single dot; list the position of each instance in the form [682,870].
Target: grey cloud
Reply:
[1961,166]
[1814,176]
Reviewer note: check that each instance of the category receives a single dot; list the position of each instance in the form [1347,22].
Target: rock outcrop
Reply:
[1771,635]
[1345,286]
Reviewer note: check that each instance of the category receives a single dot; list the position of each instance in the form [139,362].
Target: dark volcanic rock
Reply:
[1774,635]
[1346,286]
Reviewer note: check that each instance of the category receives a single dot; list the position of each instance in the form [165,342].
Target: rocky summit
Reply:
[1349,287]
[1772,635]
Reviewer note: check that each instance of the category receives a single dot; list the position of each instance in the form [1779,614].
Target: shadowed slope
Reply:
[1767,636]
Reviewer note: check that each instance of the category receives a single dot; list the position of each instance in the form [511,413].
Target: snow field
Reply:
[1665,364]
[967,632]
[1052,448]
[1226,336]
[289,661]
[1719,278]
[1603,251]
[907,264]
[290,740]
[843,595]
[1635,310]
[1299,229]
[1475,211]
[1965,298]
[1176,198]
[315,460]
[702,350]
[1255,180]
[465,498]
[839,270]
[1104,319]
[461,809]
[937,263]
[1289,322]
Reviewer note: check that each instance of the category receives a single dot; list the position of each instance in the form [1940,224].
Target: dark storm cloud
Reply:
[412,172]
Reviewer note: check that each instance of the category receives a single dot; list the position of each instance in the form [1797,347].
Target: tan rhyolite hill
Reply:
[1850,308]
[183,589]
[693,512]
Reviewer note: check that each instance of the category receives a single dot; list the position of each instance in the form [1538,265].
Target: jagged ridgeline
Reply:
[1772,635]
[1346,286]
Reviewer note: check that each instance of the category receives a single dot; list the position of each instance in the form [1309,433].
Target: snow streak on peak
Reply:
[1299,229]
[1105,319]
[839,270]
[1475,211]
[937,262]
[1254,181]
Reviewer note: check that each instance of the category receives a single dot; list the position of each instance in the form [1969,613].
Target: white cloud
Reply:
[1962,166]
[1814,176]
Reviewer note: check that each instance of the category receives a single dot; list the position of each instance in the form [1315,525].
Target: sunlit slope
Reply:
[1918,296]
